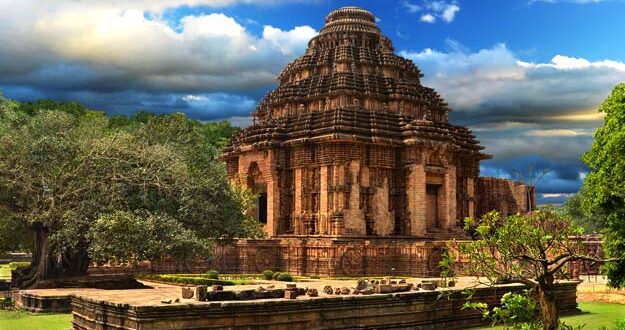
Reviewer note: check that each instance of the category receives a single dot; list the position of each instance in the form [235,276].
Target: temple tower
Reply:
[351,144]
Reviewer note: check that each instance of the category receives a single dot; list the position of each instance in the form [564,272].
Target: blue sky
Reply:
[526,76]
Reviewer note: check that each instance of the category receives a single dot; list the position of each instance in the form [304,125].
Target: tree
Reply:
[604,184]
[78,180]
[531,249]
[572,209]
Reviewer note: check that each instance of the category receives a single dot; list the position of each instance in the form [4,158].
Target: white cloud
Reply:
[449,13]
[495,78]
[434,10]
[428,18]
[410,7]
[289,42]
[114,45]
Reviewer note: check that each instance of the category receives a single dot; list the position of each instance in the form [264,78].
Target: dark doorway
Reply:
[262,207]
[431,206]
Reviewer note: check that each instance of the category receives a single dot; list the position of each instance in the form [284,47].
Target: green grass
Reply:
[20,320]
[5,272]
[595,316]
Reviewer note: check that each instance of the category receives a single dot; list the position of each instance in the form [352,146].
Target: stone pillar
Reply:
[471,197]
[297,200]
[416,199]
[323,201]
[447,209]
[273,197]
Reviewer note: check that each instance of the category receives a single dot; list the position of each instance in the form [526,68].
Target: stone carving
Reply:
[351,262]
[264,259]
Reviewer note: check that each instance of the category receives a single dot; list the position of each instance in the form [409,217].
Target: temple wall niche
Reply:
[354,216]
[384,220]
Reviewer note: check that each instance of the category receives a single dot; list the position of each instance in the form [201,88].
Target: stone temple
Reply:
[355,164]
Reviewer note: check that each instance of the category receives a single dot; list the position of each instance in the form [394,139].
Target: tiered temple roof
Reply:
[349,85]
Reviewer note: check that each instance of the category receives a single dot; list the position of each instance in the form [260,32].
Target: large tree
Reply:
[531,249]
[605,184]
[94,188]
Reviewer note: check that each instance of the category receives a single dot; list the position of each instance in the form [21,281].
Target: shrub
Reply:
[268,274]
[285,277]
[186,280]
[18,264]
[212,274]
[275,276]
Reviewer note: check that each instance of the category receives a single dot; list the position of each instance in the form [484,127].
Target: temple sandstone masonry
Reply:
[352,147]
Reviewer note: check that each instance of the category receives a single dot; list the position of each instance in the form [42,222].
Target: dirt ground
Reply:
[594,289]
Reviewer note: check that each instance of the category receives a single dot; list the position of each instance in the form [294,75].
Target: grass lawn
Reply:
[595,316]
[5,272]
[20,320]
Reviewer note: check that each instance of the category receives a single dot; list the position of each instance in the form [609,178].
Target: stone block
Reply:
[187,293]
[383,288]
[290,294]
[221,296]
[361,285]
[246,295]
[217,288]
[200,293]
[276,293]
[328,289]
[312,293]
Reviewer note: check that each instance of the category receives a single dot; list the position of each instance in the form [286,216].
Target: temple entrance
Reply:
[258,186]
[262,207]
[431,206]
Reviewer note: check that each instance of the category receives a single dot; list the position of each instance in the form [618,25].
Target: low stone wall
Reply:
[35,303]
[407,310]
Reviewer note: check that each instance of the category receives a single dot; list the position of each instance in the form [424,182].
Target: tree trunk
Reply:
[549,311]
[45,265]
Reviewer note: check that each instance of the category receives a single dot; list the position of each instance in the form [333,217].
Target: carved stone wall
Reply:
[506,196]
[351,149]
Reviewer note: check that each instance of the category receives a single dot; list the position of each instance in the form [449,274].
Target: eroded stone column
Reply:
[448,214]
[297,207]
[323,201]
[416,199]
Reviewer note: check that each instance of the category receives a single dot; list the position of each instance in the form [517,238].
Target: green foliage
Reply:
[517,311]
[604,184]
[572,209]
[267,274]
[14,236]
[120,189]
[212,274]
[275,276]
[531,249]
[284,277]
[18,264]
[182,279]
[447,266]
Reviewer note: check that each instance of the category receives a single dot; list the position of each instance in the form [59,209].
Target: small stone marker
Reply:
[328,289]
[290,294]
[383,288]
[337,290]
[200,293]
[187,293]
[361,285]
[345,290]
[312,293]
[168,301]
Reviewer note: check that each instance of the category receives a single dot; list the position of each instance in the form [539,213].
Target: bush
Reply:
[185,280]
[285,277]
[275,276]
[18,264]
[268,274]
[212,274]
